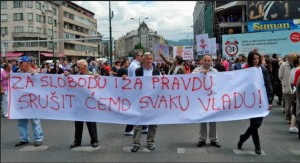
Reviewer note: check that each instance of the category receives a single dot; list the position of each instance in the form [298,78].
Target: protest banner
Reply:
[164,48]
[212,46]
[185,51]
[202,44]
[174,99]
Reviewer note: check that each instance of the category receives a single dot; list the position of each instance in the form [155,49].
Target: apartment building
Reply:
[76,22]
[47,20]
[144,35]
[28,20]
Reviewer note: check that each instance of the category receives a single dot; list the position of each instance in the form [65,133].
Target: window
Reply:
[18,4]
[4,31]
[29,4]
[38,30]
[30,29]
[3,17]
[54,11]
[44,19]
[3,4]
[18,16]
[55,33]
[50,32]
[29,16]
[38,5]
[18,29]
[38,18]
[55,23]
[5,44]
[49,20]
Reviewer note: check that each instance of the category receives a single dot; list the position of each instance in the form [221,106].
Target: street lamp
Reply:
[110,15]
[139,26]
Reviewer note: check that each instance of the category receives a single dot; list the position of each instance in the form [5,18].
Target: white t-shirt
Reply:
[132,67]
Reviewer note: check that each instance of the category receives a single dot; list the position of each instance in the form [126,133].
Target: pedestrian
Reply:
[25,67]
[146,70]
[295,73]
[241,62]
[254,60]
[275,79]
[205,68]
[82,66]
[123,70]
[177,66]
[136,62]
[284,76]
[219,66]
[5,75]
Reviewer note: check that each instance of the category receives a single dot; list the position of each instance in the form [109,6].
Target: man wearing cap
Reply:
[25,67]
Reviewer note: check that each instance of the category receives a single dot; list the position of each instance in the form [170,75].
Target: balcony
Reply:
[29,35]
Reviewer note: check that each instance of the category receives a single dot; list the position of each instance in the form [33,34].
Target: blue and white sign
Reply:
[276,25]
[280,42]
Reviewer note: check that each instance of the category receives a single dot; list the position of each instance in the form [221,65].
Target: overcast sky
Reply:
[172,19]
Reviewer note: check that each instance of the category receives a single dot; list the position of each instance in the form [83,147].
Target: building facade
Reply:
[47,20]
[28,20]
[218,18]
[76,22]
[143,35]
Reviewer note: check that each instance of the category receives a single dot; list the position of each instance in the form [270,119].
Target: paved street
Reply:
[175,143]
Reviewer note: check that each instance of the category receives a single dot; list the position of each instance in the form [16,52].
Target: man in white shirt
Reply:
[137,59]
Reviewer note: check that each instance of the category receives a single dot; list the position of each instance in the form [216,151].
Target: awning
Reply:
[51,54]
[60,55]
[229,5]
[47,54]
[12,54]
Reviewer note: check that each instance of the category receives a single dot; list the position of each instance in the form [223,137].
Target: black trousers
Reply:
[129,128]
[255,123]
[92,131]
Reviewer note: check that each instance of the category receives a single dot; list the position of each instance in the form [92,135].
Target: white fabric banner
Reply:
[212,46]
[185,51]
[175,99]
[202,44]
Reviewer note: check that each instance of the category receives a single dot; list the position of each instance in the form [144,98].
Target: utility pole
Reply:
[53,41]
[39,54]
[110,37]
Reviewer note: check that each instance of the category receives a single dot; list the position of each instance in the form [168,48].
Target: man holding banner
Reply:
[25,67]
[205,68]
[147,69]
[82,66]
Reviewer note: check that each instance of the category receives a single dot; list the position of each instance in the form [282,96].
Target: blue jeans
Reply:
[36,128]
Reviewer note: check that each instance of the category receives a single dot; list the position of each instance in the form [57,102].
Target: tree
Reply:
[139,47]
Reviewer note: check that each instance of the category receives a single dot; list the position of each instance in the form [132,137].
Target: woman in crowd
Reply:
[255,60]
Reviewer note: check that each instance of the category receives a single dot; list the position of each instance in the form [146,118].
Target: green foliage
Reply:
[139,47]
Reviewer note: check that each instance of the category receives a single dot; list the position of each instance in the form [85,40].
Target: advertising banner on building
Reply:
[280,42]
[202,44]
[185,51]
[165,50]
[273,10]
[275,25]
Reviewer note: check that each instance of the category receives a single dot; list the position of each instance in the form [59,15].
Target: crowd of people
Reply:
[281,77]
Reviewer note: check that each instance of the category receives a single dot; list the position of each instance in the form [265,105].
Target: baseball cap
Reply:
[24,59]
